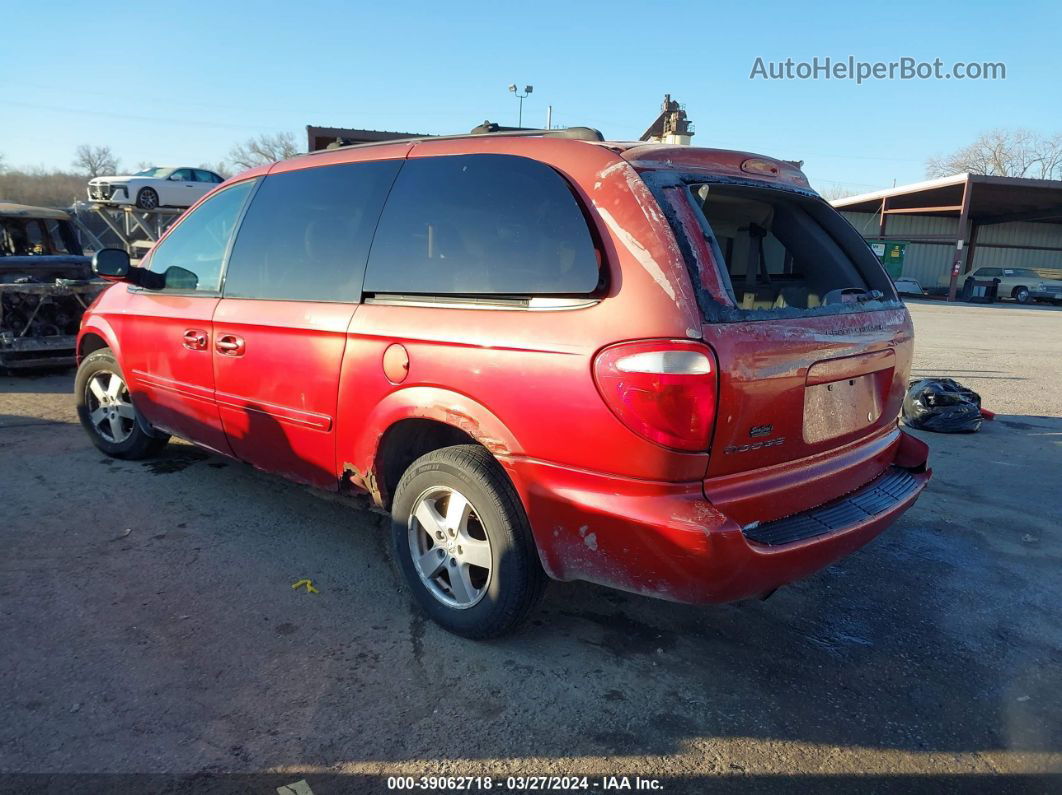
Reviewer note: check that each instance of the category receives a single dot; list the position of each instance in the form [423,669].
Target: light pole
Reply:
[527,90]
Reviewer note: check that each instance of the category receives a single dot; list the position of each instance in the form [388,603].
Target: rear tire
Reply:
[454,509]
[147,199]
[107,413]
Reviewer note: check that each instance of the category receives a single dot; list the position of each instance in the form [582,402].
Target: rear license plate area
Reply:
[841,407]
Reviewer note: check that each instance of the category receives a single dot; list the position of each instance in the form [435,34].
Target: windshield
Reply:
[158,172]
[1022,272]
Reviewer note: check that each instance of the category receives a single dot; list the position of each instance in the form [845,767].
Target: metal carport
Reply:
[967,213]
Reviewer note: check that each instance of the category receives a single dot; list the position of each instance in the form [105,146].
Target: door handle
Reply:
[229,345]
[195,340]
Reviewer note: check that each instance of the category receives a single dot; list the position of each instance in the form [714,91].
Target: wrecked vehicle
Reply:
[670,370]
[46,283]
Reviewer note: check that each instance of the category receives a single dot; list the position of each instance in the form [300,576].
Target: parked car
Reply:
[159,186]
[45,284]
[1022,284]
[670,370]
[906,286]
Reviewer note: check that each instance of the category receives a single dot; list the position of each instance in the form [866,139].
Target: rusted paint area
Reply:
[471,426]
[466,423]
[353,477]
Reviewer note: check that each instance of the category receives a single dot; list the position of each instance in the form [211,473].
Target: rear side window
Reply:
[481,225]
[779,251]
[197,244]
[306,235]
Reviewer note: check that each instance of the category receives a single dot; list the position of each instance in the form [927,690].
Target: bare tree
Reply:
[1004,153]
[835,192]
[96,161]
[263,149]
[41,188]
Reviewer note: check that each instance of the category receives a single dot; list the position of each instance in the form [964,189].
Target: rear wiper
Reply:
[846,295]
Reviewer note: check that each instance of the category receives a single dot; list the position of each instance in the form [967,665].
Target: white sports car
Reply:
[162,186]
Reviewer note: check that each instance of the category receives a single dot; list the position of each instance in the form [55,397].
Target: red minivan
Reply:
[670,370]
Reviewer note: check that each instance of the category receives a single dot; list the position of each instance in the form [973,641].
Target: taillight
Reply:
[663,390]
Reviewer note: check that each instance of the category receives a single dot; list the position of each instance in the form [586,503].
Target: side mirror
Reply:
[112,264]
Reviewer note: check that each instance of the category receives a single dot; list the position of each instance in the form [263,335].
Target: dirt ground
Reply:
[149,626]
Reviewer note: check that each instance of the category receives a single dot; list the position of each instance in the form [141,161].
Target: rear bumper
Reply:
[666,540]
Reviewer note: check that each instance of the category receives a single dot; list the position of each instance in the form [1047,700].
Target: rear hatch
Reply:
[813,345]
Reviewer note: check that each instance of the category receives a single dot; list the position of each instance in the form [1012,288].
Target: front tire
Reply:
[1022,295]
[463,543]
[147,199]
[107,412]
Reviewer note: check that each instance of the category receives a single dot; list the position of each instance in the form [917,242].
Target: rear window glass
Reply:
[306,235]
[481,225]
[785,252]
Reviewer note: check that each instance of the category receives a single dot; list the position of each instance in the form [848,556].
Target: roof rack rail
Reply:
[485,130]
[576,133]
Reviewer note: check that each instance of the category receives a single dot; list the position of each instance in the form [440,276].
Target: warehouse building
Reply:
[938,231]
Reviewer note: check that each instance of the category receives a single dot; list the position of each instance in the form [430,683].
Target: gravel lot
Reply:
[150,626]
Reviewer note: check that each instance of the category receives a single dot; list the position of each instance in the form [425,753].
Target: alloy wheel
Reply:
[450,548]
[110,410]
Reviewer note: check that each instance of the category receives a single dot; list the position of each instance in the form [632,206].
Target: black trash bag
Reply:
[942,405]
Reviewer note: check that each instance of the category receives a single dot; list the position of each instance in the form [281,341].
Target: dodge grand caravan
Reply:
[670,370]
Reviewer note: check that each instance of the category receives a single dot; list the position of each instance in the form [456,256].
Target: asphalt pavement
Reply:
[150,626]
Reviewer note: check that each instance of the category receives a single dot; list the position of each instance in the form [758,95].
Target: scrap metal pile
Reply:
[33,309]
[45,286]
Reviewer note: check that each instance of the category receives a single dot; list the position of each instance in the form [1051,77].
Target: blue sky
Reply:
[169,83]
